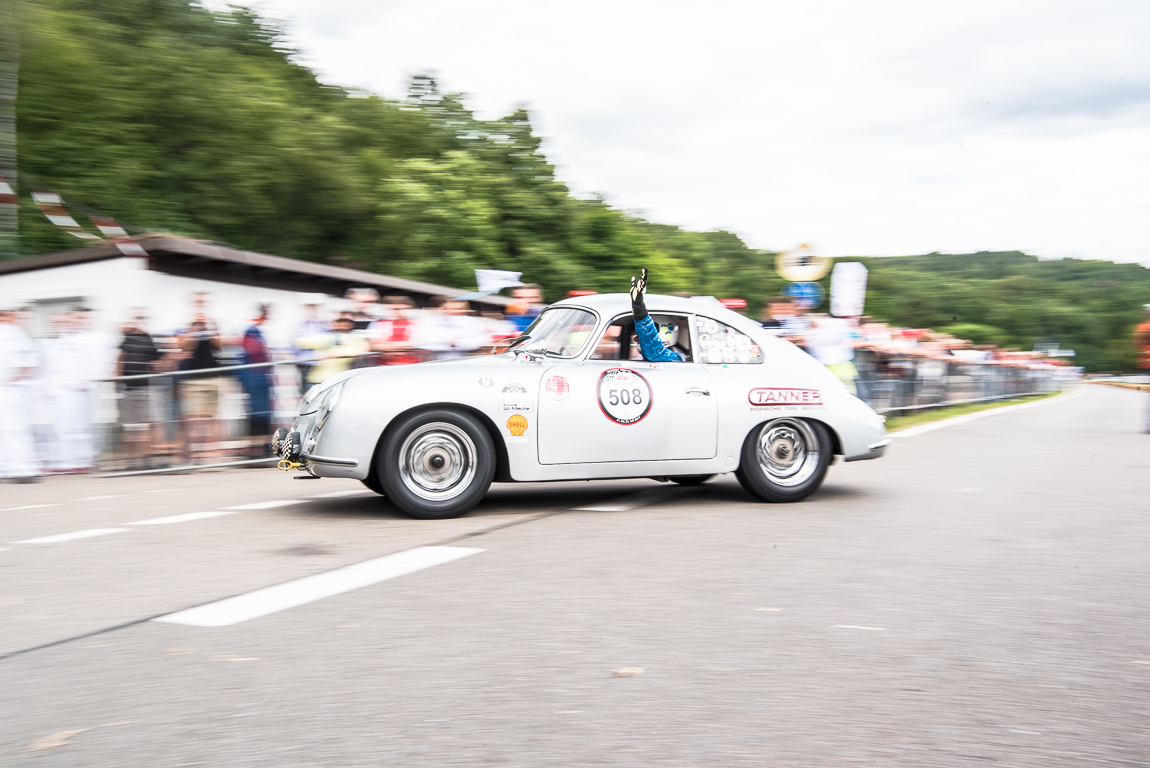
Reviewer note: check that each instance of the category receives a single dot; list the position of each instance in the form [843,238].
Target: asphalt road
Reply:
[979,596]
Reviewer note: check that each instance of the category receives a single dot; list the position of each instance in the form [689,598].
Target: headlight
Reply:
[326,404]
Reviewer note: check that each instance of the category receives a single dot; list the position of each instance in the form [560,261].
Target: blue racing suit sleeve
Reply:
[652,347]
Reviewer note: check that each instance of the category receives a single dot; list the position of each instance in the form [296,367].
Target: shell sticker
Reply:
[517,425]
[624,395]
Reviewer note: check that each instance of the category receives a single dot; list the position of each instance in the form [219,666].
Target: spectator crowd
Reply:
[148,397]
[153,397]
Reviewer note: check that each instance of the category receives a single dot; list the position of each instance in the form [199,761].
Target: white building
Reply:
[110,284]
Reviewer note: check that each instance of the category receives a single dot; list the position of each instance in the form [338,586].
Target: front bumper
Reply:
[288,445]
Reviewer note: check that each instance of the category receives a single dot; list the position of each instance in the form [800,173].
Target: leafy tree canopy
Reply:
[171,117]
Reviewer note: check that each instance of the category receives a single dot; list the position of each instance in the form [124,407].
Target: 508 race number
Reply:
[624,395]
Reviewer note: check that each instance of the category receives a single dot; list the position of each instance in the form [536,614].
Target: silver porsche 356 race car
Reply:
[571,399]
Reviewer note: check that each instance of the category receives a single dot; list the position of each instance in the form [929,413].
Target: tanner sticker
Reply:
[557,387]
[763,397]
[517,425]
[514,389]
[624,395]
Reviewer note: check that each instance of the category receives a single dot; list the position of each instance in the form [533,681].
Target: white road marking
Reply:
[768,609]
[269,504]
[5,549]
[234,610]
[30,506]
[73,536]
[1140,662]
[189,517]
[956,420]
[98,498]
[628,502]
[856,626]
[337,494]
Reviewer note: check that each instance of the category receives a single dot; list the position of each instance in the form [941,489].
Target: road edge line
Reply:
[966,417]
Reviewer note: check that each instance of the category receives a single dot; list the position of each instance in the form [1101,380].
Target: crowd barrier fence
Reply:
[172,437]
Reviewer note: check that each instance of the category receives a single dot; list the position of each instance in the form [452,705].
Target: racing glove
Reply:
[638,289]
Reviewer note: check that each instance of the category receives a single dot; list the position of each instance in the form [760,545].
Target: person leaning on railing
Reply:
[334,351]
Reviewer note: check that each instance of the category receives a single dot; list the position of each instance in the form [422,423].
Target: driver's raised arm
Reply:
[652,347]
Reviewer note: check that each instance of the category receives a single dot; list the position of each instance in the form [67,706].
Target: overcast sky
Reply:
[876,128]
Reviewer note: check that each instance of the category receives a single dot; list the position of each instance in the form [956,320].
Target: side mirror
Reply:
[534,351]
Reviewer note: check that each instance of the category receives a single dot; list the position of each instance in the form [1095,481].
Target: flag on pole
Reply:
[495,280]
[52,205]
[110,229]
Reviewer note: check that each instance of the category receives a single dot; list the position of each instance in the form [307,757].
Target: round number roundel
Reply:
[624,395]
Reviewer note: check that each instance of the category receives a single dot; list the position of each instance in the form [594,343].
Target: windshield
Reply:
[565,329]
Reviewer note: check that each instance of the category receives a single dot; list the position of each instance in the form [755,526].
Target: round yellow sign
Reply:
[802,264]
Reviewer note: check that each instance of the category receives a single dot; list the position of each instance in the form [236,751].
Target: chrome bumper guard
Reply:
[311,459]
[873,451]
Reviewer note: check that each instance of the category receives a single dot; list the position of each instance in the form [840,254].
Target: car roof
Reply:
[609,305]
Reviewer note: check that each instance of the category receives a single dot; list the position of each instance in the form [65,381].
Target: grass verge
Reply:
[934,414]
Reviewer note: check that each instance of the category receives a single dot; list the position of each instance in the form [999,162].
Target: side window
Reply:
[720,343]
[614,340]
[619,342]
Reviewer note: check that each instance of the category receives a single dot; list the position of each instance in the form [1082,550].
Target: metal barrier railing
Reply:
[893,384]
[143,423]
[181,420]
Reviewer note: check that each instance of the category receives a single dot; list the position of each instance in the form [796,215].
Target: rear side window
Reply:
[720,343]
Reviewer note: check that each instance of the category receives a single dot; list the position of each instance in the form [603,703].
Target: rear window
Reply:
[720,343]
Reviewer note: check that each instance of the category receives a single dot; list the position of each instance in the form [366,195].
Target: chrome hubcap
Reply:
[788,451]
[437,461]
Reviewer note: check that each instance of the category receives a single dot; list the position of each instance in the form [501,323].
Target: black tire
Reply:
[690,479]
[412,479]
[785,460]
[372,482]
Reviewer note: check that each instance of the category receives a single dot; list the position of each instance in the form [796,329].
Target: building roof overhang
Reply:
[206,260]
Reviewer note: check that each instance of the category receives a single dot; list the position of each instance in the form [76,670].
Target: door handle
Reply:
[698,391]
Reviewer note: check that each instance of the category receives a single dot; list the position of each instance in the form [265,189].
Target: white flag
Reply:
[495,280]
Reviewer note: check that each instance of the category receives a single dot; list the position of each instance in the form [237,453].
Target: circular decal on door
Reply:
[624,395]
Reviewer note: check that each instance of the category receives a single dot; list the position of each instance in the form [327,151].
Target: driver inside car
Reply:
[655,342]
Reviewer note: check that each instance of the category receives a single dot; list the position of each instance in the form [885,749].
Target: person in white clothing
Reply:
[449,330]
[76,359]
[18,362]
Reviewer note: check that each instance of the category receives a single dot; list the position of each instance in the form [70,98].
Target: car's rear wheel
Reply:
[436,464]
[690,479]
[785,459]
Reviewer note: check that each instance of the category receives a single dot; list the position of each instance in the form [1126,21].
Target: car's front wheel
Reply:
[372,482]
[785,459]
[436,464]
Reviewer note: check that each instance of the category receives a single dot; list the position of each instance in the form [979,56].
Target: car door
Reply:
[625,410]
